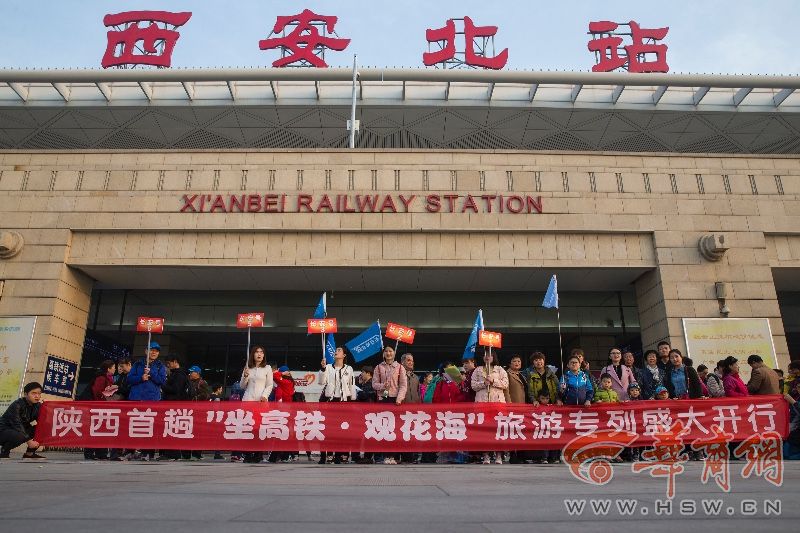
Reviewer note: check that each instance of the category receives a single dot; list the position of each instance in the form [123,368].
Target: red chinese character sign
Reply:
[643,54]
[491,339]
[157,42]
[400,333]
[322,325]
[304,43]
[250,320]
[146,324]
[477,41]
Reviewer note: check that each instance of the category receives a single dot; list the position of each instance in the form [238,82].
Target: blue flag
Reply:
[322,308]
[330,349]
[469,350]
[551,298]
[368,342]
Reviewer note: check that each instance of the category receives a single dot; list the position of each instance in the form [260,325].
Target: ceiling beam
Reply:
[532,92]
[659,94]
[189,90]
[699,94]
[231,90]
[447,92]
[147,90]
[576,90]
[21,91]
[740,95]
[779,98]
[616,93]
[491,91]
[105,90]
[63,90]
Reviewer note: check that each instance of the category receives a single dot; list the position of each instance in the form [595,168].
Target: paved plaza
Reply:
[67,494]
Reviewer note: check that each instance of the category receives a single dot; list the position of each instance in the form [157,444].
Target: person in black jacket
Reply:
[17,423]
[175,388]
[682,380]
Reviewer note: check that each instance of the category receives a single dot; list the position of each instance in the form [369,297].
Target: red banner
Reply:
[153,325]
[490,338]
[250,320]
[255,426]
[322,325]
[400,333]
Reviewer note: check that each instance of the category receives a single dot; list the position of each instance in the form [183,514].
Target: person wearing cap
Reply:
[284,384]
[199,390]
[662,393]
[17,423]
[634,392]
[147,376]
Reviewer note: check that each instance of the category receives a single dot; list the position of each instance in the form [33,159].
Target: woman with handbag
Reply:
[338,385]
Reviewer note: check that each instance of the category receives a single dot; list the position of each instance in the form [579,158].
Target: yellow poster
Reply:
[16,335]
[709,340]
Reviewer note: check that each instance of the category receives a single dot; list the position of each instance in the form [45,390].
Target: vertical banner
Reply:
[710,339]
[16,336]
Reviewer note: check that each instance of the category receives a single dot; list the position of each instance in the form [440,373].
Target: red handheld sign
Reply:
[153,325]
[322,325]
[491,338]
[250,320]
[400,333]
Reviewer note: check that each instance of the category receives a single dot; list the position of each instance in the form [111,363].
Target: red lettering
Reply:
[488,198]
[271,203]
[347,208]
[364,202]
[451,201]
[283,203]
[433,203]
[338,203]
[388,203]
[407,202]
[253,203]
[518,208]
[203,199]
[188,203]
[534,203]
[500,197]
[325,203]
[304,201]
[469,203]
[236,202]
[219,203]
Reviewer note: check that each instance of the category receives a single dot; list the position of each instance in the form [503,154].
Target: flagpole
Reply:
[560,346]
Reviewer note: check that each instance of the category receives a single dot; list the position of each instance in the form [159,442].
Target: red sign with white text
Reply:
[250,320]
[322,325]
[400,333]
[490,338]
[153,325]
[356,426]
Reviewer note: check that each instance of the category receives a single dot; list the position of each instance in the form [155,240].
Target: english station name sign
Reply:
[360,203]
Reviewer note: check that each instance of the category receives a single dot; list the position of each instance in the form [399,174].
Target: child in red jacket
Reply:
[284,385]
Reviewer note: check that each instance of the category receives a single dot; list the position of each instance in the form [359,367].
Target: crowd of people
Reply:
[664,373]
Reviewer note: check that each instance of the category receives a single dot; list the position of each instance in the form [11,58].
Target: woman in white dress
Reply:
[257,383]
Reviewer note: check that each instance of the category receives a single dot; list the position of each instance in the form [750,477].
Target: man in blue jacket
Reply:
[146,378]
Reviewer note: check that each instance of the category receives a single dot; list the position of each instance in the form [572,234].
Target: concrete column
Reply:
[682,286]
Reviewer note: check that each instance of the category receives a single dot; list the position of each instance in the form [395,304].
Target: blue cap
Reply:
[155,346]
[661,389]
[283,369]
[633,385]
[195,368]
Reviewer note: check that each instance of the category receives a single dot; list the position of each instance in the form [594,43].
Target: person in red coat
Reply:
[284,385]
[102,382]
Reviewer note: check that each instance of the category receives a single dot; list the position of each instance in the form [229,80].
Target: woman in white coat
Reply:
[490,383]
[338,385]
[257,384]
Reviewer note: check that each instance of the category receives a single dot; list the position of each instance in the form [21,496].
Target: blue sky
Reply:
[704,36]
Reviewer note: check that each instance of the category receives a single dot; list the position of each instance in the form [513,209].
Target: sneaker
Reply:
[486,459]
[32,455]
[498,460]
[390,461]
[144,458]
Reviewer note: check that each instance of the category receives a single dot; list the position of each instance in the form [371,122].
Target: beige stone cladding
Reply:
[645,211]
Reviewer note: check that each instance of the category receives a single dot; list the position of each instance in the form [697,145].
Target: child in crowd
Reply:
[606,392]
[634,395]
[544,457]
[662,393]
